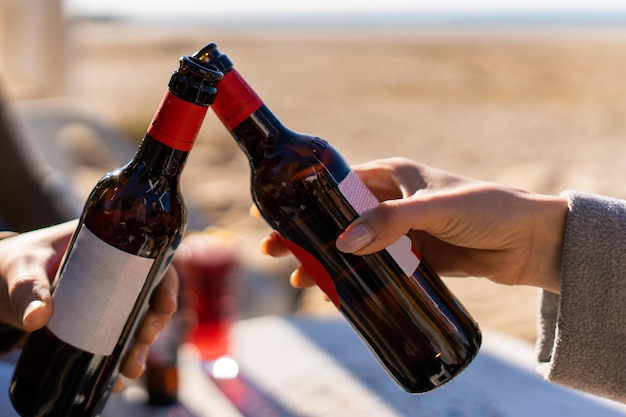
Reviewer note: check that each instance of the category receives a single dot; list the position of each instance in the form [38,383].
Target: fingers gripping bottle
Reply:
[307,192]
[131,224]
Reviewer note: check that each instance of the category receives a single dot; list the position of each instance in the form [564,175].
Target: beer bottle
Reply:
[306,191]
[162,374]
[130,226]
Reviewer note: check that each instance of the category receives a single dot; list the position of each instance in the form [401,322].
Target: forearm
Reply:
[582,333]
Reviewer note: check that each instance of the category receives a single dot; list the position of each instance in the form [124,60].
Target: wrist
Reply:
[549,218]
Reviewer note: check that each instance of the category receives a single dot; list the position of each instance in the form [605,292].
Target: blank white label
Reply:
[95,293]
[362,199]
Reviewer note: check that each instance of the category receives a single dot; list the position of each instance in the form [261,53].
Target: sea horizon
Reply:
[396,19]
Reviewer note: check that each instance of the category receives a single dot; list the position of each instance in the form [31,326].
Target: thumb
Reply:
[27,265]
[29,291]
[381,226]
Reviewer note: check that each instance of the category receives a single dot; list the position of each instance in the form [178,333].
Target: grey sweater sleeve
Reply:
[582,331]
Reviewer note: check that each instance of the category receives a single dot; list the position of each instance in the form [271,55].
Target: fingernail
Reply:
[263,245]
[174,300]
[32,306]
[155,327]
[354,238]
[142,356]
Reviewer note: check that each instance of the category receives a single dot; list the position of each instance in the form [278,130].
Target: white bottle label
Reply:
[96,293]
[362,199]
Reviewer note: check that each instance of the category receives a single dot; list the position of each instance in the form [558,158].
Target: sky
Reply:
[233,8]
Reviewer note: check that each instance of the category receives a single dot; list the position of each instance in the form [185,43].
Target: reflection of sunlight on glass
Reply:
[223,367]
[135,393]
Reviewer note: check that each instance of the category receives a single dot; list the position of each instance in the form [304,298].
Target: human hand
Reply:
[461,226]
[28,264]
[163,304]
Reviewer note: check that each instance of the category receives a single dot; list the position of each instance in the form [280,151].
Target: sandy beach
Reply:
[543,109]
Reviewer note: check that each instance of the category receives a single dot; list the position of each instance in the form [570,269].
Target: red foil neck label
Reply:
[315,269]
[177,122]
[235,100]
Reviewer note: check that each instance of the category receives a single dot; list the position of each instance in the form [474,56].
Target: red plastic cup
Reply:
[208,269]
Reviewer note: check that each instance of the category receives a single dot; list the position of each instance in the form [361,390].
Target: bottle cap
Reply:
[195,81]
[211,54]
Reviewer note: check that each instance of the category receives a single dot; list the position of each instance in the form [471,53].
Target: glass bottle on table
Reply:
[161,375]
[130,226]
[306,191]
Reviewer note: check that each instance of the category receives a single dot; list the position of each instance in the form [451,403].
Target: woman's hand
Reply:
[461,226]
[28,264]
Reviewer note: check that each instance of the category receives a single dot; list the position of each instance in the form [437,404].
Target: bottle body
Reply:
[306,191]
[411,322]
[131,225]
[162,374]
[125,217]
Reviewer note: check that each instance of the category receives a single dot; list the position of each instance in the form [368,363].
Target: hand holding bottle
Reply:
[130,227]
[307,192]
[28,263]
[464,227]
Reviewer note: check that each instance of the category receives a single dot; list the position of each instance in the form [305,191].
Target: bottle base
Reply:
[446,374]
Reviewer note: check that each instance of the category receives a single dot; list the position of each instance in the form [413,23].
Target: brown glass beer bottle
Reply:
[162,374]
[131,224]
[307,192]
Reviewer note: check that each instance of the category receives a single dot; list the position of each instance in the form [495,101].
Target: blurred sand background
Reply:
[539,108]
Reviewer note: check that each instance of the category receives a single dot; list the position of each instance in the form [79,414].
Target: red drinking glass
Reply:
[208,268]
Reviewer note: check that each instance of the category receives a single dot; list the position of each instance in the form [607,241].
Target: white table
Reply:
[302,367]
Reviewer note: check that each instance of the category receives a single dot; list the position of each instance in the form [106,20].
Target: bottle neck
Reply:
[160,159]
[236,101]
[171,135]
[255,128]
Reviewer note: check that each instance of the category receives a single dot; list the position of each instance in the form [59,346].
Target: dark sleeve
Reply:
[582,331]
[10,338]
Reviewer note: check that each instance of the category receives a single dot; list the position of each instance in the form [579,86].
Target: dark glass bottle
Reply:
[161,375]
[131,225]
[307,192]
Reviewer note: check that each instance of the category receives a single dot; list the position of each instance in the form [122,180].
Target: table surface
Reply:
[304,367]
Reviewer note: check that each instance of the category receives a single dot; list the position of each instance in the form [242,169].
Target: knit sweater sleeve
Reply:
[582,331]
